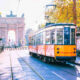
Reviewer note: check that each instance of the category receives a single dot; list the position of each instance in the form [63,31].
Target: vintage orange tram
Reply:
[55,42]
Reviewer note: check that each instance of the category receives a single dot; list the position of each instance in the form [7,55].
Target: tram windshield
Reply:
[72,36]
[67,35]
[60,36]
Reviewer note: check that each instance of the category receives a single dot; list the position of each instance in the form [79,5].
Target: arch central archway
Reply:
[11,37]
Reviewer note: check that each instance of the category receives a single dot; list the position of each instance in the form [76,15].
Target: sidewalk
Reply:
[5,68]
[77,60]
[6,63]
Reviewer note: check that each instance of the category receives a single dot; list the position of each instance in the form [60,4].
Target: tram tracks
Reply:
[53,72]
[40,76]
[37,73]
[69,72]
[63,70]
[12,78]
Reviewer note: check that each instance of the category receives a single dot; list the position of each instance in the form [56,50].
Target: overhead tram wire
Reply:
[18,6]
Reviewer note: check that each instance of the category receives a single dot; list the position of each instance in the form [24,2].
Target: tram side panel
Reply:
[46,50]
[33,49]
[41,50]
[50,50]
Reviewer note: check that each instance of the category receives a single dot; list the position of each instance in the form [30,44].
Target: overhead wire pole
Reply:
[74,12]
[75,17]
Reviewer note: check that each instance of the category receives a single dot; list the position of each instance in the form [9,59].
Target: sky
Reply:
[34,10]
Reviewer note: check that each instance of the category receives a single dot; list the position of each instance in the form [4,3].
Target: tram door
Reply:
[66,35]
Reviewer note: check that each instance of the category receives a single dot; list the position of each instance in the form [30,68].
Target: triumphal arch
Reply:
[12,22]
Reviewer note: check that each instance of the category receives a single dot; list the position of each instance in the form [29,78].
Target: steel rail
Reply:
[32,68]
[72,64]
[11,67]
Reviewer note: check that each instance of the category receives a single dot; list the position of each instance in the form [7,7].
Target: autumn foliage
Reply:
[63,13]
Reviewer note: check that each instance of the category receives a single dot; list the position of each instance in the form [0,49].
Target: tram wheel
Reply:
[30,53]
[47,60]
[72,61]
[44,59]
[40,57]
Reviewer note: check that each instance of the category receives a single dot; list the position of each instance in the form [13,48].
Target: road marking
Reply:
[58,76]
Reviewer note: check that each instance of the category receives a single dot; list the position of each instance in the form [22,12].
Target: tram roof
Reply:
[59,24]
[53,24]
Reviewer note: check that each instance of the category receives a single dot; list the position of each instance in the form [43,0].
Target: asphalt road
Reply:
[19,65]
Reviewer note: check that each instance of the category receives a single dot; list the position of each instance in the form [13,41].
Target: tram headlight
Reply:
[57,48]
[57,52]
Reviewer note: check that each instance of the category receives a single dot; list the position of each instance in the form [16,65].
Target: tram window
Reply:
[41,38]
[73,36]
[34,40]
[53,37]
[67,35]
[30,41]
[38,39]
[60,36]
[47,37]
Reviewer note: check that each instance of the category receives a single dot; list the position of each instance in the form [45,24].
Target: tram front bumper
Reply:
[66,58]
